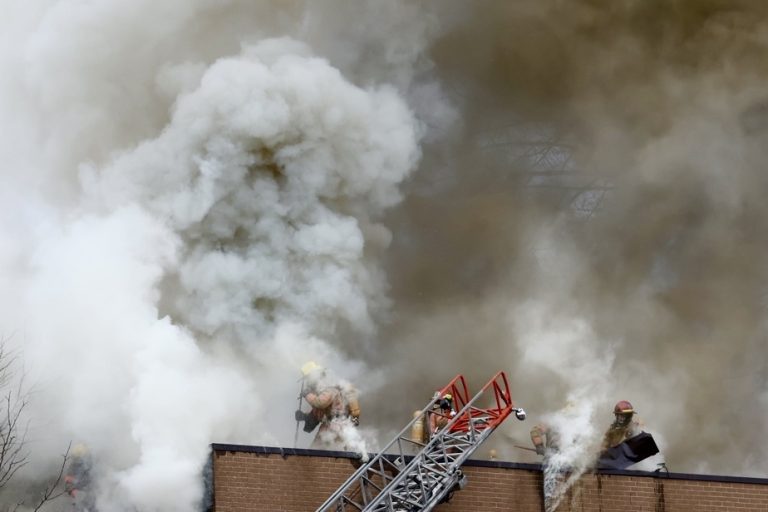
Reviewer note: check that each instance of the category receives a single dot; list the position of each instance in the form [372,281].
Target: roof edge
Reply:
[302,452]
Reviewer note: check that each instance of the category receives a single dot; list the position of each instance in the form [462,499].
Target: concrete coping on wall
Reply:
[301,452]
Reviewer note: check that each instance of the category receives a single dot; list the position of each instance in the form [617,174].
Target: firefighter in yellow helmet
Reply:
[626,425]
[334,407]
[77,479]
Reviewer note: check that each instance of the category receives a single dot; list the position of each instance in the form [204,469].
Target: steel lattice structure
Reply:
[395,480]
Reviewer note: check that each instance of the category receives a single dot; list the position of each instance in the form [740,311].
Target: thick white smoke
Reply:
[192,196]
[577,442]
[169,270]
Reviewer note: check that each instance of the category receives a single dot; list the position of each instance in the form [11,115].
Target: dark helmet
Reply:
[446,403]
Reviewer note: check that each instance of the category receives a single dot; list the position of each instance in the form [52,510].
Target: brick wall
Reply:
[248,478]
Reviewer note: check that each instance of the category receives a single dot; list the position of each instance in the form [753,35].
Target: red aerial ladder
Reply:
[395,480]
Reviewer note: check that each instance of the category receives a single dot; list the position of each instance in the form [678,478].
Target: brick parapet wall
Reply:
[248,478]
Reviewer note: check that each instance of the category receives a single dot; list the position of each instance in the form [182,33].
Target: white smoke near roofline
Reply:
[250,218]
[577,441]
[667,271]
[201,262]
[569,349]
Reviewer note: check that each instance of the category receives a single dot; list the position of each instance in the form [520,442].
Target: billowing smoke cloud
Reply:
[198,231]
[600,220]
[197,197]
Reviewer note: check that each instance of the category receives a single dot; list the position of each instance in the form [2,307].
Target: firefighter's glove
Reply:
[355,421]
[300,415]
[540,449]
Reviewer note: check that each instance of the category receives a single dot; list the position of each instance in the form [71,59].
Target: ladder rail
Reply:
[457,387]
[503,408]
[453,444]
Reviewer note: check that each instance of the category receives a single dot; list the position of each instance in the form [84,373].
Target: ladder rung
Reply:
[417,483]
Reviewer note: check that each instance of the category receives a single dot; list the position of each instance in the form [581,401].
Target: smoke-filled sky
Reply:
[198,196]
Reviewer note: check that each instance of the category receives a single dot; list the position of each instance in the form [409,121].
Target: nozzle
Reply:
[519,413]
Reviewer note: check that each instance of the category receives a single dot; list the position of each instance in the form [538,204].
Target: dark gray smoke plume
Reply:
[198,196]
[599,222]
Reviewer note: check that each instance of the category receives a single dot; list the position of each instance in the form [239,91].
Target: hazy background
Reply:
[198,196]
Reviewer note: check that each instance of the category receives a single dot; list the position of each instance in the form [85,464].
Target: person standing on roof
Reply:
[626,425]
[561,443]
[77,479]
[625,443]
[544,438]
[441,414]
[334,407]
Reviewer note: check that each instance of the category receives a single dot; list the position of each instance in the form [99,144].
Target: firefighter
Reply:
[334,407]
[547,440]
[544,438]
[625,425]
[441,414]
[77,480]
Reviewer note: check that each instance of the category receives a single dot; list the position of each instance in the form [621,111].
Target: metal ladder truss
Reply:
[395,480]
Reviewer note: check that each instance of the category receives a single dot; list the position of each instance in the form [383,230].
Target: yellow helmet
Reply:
[79,450]
[309,367]
[448,396]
